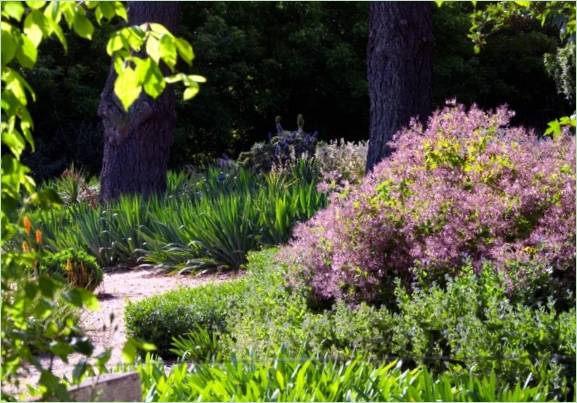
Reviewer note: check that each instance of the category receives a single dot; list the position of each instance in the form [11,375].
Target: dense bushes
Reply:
[466,188]
[466,325]
[177,313]
[467,321]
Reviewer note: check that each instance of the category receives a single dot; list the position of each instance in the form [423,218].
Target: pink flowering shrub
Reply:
[468,188]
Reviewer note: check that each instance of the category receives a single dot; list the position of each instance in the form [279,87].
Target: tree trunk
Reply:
[399,70]
[137,143]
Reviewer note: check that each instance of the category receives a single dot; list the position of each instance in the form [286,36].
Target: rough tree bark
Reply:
[399,69]
[137,143]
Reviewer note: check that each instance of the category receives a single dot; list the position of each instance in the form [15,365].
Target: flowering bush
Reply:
[468,188]
[342,163]
[283,149]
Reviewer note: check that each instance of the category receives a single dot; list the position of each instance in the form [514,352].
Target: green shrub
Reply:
[269,315]
[295,380]
[471,321]
[75,266]
[468,321]
[161,318]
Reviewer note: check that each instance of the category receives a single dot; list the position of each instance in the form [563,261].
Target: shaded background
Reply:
[266,59]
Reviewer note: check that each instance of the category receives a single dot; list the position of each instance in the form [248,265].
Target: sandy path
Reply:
[133,285]
[113,294]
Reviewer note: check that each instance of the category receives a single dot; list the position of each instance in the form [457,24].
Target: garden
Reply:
[419,246]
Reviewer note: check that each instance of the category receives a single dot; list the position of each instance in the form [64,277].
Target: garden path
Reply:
[117,288]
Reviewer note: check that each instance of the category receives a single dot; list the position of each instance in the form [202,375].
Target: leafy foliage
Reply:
[468,187]
[269,316]
[211,220]
[257,71]
[294,380]
[38,310]
[560,64]
[178,313]
[341,163]
[73,186]
[464,323]
[74,266]
[283,149]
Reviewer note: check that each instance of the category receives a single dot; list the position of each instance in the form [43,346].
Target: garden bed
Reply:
[117,288]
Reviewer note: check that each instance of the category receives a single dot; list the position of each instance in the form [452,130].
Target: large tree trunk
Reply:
[137,143]
[399,70]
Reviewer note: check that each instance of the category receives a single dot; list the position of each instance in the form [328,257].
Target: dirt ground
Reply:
[117,288]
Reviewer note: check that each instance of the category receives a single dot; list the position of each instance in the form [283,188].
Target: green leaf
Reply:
[185,50]
[82,26]
[81,298]
[16,85]
[168,50]
[47,286]
[159,29]
[35,26]
[134,36]
[82,345]
[107,9]
[102,359]
[146,346]
[198,79]
[127,87]
[129,351]
[151,78]
[36,4]
[14,141]
[523,3]
[120,10]
[57,30]
[190,92]
[554,128]
[9,45]
[61,349]
[114,44]
[13,9]
[79,370]
[174,78]
[53,383]
[153,48]
[27,53]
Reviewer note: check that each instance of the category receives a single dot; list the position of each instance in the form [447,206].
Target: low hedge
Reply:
[160,318]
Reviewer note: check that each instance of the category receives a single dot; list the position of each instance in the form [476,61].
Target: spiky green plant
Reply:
[296,380]
[211,220]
